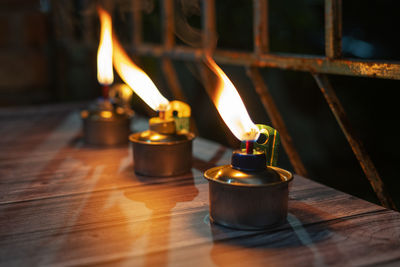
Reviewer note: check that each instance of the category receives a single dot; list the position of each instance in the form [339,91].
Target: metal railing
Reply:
[260,57]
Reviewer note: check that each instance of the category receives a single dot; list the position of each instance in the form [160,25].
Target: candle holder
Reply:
[106,125]
[248,194]
[161,150]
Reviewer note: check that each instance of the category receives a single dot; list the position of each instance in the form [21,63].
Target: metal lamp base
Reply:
[105,131]
[161,155]
[247,194]
[248,208]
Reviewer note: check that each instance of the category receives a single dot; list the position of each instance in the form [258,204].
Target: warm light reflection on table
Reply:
[66,203]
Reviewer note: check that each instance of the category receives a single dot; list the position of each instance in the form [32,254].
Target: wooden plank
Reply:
[299,246]
[92,211]
[161,192]
[55,167]
[52,159]
[139,224]
[118,217]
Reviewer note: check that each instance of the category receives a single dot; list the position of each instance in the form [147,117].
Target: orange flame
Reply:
[230,106]
[105,74]
[137,79]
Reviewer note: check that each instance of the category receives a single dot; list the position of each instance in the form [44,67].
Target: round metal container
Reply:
[248,200]
[105,127]
[157,154]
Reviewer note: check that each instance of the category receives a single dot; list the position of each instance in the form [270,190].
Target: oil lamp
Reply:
[166,148]
[249,193]
[107,121]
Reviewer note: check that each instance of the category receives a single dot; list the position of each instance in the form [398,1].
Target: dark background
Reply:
[48,55]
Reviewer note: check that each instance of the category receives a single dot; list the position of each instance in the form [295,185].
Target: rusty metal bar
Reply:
[209,31]
[356,145]
[261,46]
[167,23]
[333,28]
[276,119]
[137,23]
[172,79]
[88,28]
[260,26]
[313,64]
[318,66]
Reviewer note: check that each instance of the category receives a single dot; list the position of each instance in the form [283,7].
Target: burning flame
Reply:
[137,79]
[230,106]
[105,74]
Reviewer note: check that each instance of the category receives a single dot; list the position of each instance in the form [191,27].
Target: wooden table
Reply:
[65,203]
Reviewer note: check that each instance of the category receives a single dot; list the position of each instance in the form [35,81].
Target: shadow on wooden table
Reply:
[300,231]
[203,165]
[161,200]
[293,233]
[290,234]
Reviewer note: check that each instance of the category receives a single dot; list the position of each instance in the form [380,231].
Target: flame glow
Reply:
[137,79]
[105,74]
[230,106]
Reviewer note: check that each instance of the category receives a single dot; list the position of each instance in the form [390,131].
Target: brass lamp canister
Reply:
[248,194]
[107,121]
[105,127]
[162,150]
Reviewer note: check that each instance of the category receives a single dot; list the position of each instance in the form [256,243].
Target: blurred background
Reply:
[48,55]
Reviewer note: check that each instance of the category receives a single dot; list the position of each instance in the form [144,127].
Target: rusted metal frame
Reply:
[261,46]
[89,29]
[137,23]
[209,27]
[388,70]
[276,119]
[333,28]
[167,23]
[356,145]
[208,42]
[315,64]
[167,13]
[172,79]
[260,26]
[367,68]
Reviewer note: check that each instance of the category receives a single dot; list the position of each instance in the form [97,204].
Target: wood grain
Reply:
[64,203]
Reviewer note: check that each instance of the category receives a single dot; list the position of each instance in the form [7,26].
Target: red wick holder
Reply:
[249,146]
[105,90]
[161,114]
